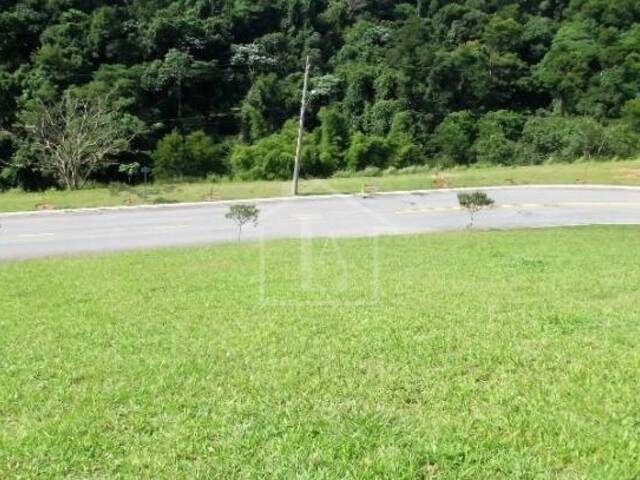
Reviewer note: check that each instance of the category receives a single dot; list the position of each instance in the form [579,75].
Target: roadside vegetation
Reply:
[371,180]
[481,355]
[191,89]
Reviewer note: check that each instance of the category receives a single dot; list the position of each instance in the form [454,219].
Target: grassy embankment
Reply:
[619,173]
[481,355]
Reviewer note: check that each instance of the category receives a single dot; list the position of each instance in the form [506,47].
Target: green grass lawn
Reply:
[618,173]
[497,354]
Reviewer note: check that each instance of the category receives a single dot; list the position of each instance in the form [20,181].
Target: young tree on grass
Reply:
[76,137]
[242,214]
[474,202]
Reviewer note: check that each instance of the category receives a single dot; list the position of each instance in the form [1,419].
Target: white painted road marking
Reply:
[35,235]
[170,227]
[410,211]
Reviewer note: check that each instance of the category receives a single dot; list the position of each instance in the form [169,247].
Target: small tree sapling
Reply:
[474,202]
[242,214]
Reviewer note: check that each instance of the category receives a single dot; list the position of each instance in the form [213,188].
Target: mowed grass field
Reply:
[493,354]
[613,173]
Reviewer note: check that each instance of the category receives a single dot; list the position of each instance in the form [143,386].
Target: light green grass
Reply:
[482,355]
[617,173]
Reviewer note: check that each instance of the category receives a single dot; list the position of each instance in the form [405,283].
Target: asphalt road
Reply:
[37,234]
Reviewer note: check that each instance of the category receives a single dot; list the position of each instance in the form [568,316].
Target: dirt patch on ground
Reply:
[439,181]
[630,172]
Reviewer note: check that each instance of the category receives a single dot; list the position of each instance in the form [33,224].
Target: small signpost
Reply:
[145,172]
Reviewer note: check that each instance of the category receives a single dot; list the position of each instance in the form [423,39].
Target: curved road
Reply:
[36,234]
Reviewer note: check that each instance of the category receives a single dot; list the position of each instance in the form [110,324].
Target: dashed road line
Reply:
[410,211]
[35,235]
[170,227]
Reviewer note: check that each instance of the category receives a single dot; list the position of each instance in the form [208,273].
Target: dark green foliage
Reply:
[334,139]
[631,113]
[269,158]
[453,138]
[498,133]
[367,151]
[193,155]
[393,83]
[569,138]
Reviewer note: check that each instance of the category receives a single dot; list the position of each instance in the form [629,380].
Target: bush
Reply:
[542,138]
[344,174]
[407,155]
[498,133]
[631,113]
[271,158]
[413,169]
[367,151]
[6,152]
[370,171]
[586,138]
[473,202]
[453,139]
[378,118]
[623,141]
[562,138]
[333,139]
[215,178]
[495,148]
[195,155]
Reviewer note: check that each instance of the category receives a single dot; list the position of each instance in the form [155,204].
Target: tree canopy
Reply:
[216,83]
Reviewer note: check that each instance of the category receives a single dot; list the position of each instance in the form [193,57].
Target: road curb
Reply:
[205,204]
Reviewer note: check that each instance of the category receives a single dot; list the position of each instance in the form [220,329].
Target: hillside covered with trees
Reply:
[212,87]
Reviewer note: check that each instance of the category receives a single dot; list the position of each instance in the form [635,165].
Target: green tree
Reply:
[241,214]
[570,63]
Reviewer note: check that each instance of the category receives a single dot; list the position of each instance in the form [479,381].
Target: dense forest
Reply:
[213,87]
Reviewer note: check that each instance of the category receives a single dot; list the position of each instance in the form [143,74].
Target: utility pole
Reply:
[303,108]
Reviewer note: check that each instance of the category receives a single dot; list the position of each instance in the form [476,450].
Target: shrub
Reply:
[6,151]
[453,138]
[333,139]
[413,169]
[215,178]
[271,158]
[367,151]
[562,138]
[194,155]
[542,138]
[474,202]
[495,148]
[344,174]
[585,138]
[497,135]
[378,118]
[371,171]
[623,140]
[407,155]
[631,113]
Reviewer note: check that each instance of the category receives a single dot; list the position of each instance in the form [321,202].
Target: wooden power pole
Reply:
[303,108]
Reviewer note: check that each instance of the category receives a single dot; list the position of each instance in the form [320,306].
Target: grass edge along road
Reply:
[611,173]
[482,354]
